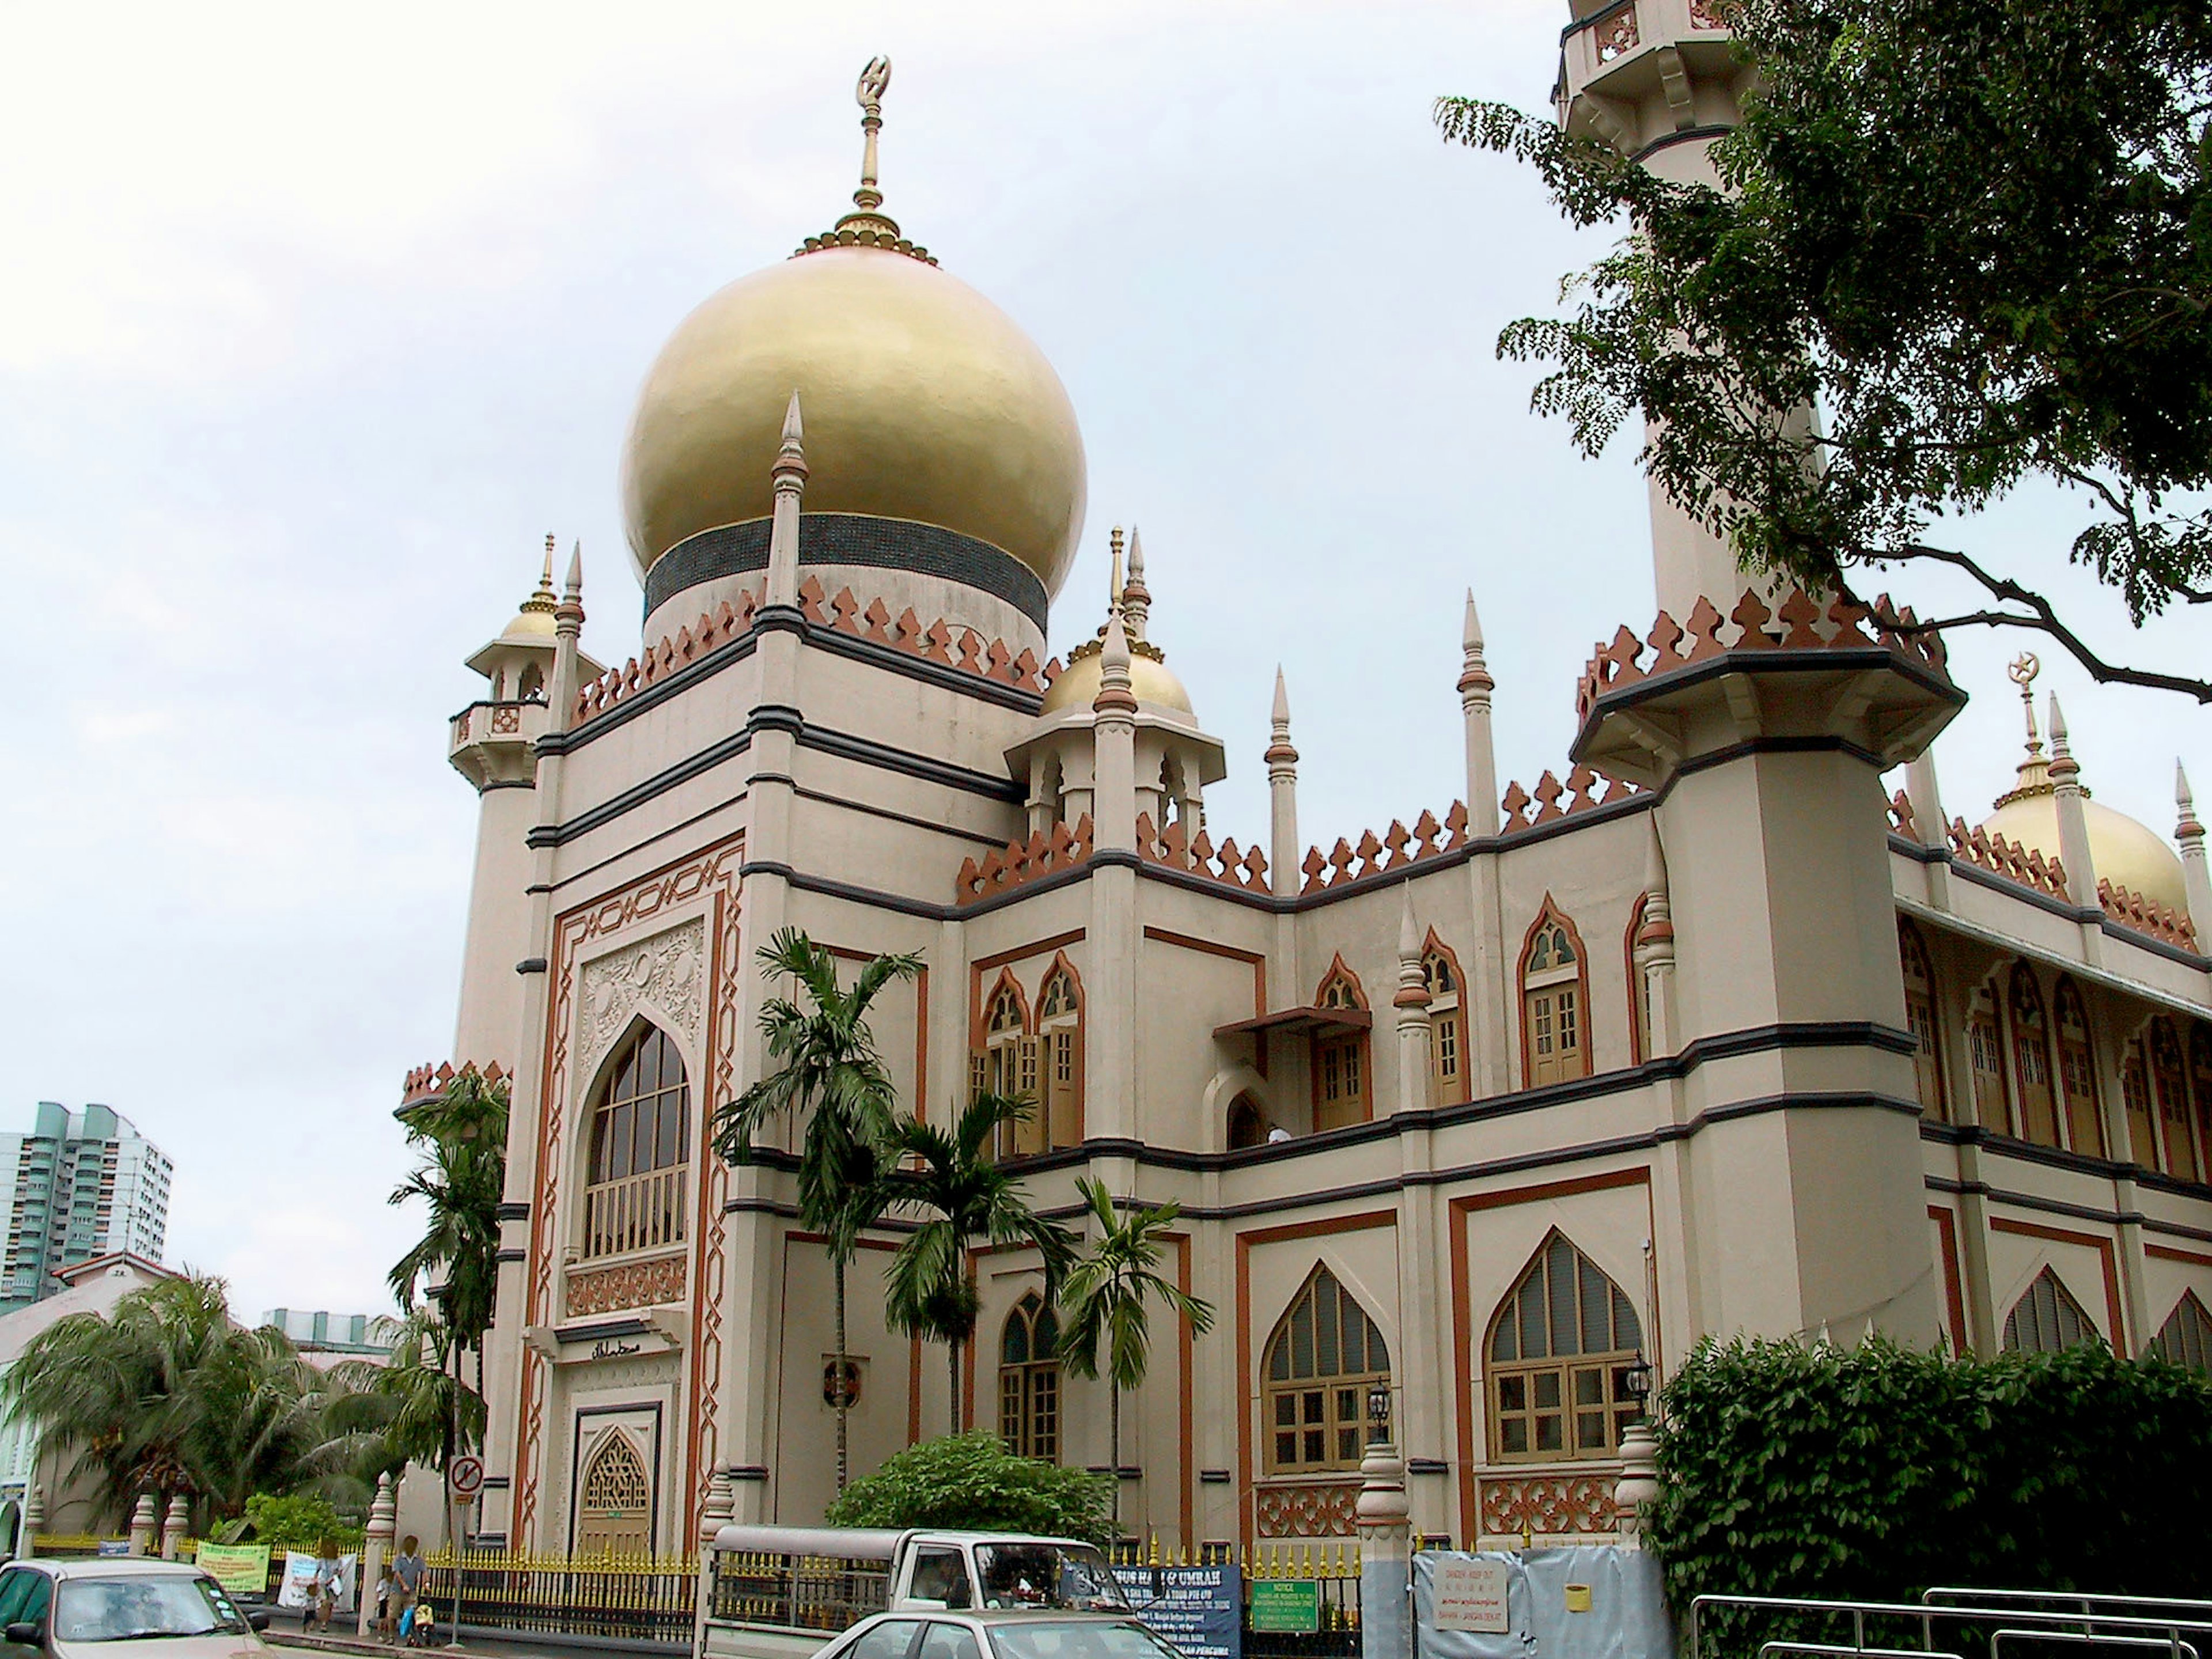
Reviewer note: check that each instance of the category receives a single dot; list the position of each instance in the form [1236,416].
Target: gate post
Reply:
[1386,1624]
[375,1551]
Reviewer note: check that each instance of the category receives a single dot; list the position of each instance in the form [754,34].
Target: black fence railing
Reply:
[634,1600]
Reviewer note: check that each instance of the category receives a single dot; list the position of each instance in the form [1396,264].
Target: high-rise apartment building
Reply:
[77,1185]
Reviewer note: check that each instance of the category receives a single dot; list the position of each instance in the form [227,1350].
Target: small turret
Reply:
[1474,688]
[790,476]
[1282,796]
[2191,834]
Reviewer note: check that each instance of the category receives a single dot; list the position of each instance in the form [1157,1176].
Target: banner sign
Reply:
[1470,1594]
[303,1571]
[1198,1609]
[1288,1607]
[241,1569]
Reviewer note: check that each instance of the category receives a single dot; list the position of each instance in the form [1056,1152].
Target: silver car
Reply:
[1010,1633]
[116,1609]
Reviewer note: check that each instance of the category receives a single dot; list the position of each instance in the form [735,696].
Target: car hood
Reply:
[220,1645]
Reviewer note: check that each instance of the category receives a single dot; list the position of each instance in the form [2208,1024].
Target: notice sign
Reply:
[1286,1606]
[241,1569]
[1470,1594]
[1197,1608]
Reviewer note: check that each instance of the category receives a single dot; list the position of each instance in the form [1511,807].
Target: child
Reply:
[383,1629]
[425,1623]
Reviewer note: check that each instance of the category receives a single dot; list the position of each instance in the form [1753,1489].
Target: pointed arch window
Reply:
[1920,1019]
[2135,1107]
[1985,1053]
[641,1148]
[2031,1058]
[2173,1087]
[1028,1381]
[2077,1072]
[1339,1055]
[1005,1063]
[614,1510]
[1561,1345]
[1059,1119]
[1554,1002]
[1324,1356]
[1447,1067]
[2200,1087]
[2186,1339]
[1248,1124]
[2047,1319]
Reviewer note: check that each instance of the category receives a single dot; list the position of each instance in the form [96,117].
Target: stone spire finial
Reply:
[1279,752]
[1412,991]
[2073,850]
[790,483]
[1282,797]
[2185,825]
[2195,870]
[1474,688]
[1136,597]
[568,615]
[791,457]
[2063,765]
[1115,695]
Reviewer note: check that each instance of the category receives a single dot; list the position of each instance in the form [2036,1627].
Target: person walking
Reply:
[408,1568]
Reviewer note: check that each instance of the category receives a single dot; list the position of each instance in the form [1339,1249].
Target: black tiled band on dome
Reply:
[730,550]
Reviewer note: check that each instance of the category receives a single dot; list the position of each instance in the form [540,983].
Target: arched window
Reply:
[2031,1058]
[1060,1039]
[2135,1105]
[2077,1072]
[533,684]
[1920,1019]
[2173,1085]
[1248,1124]
[634,1191]
[2200,1085]
[1560,1348]
[614,1509]
[1005,1063]
[1448,1072]
[1554,999]
[1325,1354]
[2186,1339]
[1339,1054]
[1028,1381]
[1985,1051]
[2047,1319]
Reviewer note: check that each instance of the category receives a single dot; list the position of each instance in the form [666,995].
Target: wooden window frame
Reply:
[2138,1110]
[1330,1404]
[644,1208]
[1060,1060]
[1922,1019]
[1986,1040]
[2080,1092]
[1448,1025]
[2064,1311]
[1549,915]
[2189,1326]
[2034,1078]
[1513,1387]
[1345,1057]
[1030,1388]
[2169,1076]
[1004,1057]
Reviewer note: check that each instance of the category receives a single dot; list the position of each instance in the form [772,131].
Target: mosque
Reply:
[1491,1113]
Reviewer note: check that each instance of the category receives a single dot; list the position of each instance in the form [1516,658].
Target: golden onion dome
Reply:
[533,622]
[1151,680]
[922,401]
[2127,852]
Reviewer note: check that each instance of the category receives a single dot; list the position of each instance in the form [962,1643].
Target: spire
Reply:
[1136,597]
[2064,773]
[791,458]
[2195,872]
[789,478]
[1114,693]
[1474,689]
[568,615]
[867,224]
[2185,825]
[1413,991]
[2064,767]
[1279,752]
[1282,796]
[543,599]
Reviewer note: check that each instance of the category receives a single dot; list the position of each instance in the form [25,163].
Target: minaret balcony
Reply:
[1638,55]
[495,743]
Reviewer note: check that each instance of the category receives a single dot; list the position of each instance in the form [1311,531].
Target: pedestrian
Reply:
[384,1597]
[407,1570]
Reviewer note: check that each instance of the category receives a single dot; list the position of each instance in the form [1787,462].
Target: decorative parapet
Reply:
[1247,870]
[2146,917]
[1307,1509]
[429,1082]
[2024,865]
[1798,623]
[1021,862]
[1580,791]
[649,1284]
[1552,1505]
[1428,838]
[1901,818]
[959,648]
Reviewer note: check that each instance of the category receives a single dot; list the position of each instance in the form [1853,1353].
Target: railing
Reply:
[827,1593]
[622,1598]
[1723,1623]
[1331,1566]
[637,1212]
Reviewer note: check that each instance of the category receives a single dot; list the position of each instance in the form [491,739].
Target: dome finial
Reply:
[2021,671]
[544,599]
[875,81]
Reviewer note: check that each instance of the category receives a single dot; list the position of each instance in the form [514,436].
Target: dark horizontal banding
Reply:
[732,550]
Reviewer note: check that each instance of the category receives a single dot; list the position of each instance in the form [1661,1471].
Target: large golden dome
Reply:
[2127,852]
[922,401]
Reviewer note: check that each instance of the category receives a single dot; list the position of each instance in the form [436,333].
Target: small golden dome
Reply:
[1150,679]
[533,622]
[923,402]
[2127,853]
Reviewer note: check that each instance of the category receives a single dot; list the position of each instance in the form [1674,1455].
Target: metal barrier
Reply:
[2022,1623]
[636,1599]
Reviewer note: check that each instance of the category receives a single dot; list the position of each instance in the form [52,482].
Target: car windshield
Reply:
[1063,1575]
[139,1606]
[1121,1638]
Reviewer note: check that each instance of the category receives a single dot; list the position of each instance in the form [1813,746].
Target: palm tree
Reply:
[968,1198]
[826,1070]
[462,1181]
[1106,1297]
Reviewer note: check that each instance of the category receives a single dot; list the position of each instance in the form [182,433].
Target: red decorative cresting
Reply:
[429,1082]
[1199,855]
[957,648]
[2000,857]
[2146,917]
[1429,837]
[1798,623]
[1901,818]
[1521,809]
[1023,861]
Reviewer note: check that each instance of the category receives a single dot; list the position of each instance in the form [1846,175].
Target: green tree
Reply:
[966,1199]
[1107,1300]
[462,1133]
[823,1068]
[972,1482]
[165,1395]
[1974,235]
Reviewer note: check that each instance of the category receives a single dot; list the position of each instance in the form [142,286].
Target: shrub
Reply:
[1876,1472]
[971,1480]
[299,1520]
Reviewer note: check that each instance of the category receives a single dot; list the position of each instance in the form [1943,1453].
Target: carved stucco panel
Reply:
[666,973]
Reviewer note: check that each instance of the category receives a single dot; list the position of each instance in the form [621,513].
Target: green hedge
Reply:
[1875,1472]
[971,1480]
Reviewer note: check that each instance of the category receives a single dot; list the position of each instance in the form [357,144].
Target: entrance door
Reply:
[616,1514]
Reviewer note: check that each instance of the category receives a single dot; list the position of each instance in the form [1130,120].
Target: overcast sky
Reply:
[314,323]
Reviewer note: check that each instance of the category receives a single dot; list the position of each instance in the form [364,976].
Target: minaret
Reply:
[1474,688]
[1114,794]
[1111,1037]
[2190,834]
[1411,1002]
[1282,798]
[1653,948]
[790,476]
[2073,824]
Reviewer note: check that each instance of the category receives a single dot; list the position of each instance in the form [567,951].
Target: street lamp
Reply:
[1378,1413]
[1636,1379]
